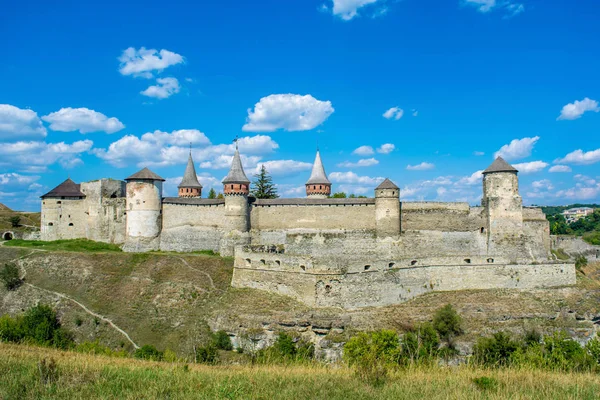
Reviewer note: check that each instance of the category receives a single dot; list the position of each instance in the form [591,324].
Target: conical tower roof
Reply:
[236,173]
[499,165]
[318,175]
[146,175]
[66,189]
[190,179]
[387,184]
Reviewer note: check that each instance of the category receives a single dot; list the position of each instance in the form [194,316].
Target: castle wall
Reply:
[437,216]
[63,219]
[193,224]
[106,215]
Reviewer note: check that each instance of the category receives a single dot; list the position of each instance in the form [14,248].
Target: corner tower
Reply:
[144,206]
[236,187]
[318,186]
[503,204]
[189,186]
[387,209]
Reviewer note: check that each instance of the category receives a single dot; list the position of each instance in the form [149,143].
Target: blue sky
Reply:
[425,93]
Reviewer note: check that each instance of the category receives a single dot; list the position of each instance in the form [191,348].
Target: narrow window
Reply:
[263,262]
[248,262]
[490,260]
[278,262]
[50,224]
[70,224]
[59,202]
[482,229]
[468,260]
[391,265]
[413,262]
[367,267]
[303,268]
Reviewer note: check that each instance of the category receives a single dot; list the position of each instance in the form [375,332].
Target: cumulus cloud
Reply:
[474,179]
[39,155]
[352,178]
[348,9]
[509,7]
[18,123]
[283,167]
[386,148]
[291,190]
[365,162]
[424,166]
[166,87]
[394,112]
[560,168]
[576,109]
[163,148]
[581,157]
[530,167]
[12,178]
[543,184]
[364,151]
[145,62]
[290,112]
[517,148]
[83,120]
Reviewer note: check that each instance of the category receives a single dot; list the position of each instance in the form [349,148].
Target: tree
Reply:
[212,194]
[15,221]
[263,186]
[220,196]
[339,195]
[10,276]
[447,322]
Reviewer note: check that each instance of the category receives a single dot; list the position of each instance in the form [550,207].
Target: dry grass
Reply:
[84,376]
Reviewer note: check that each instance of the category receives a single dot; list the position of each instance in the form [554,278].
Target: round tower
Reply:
[190,186]
[502,202]
[318,186]
[236,187]
[144,206]
[387,209]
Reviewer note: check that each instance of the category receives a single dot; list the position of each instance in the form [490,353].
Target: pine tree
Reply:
[212,194]
[263,186]
[220,196]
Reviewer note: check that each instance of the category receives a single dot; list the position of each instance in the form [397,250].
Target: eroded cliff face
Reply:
[172,300]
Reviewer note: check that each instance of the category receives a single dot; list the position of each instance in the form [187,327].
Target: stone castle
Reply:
[325,252]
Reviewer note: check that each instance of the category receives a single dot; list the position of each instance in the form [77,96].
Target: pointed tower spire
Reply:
[318,186]
[189,186]
[236,182]
[499,165]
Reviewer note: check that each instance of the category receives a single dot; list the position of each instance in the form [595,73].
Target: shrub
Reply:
[580,262]
[148,352]
[532,338]
[207,354]
[9,274]
[11,329]
[222,341]
[170,356]
[93,348]
[485,383]
[420,345]
[495,351]
[39,325]
[15,221]
[564,353]
[447,322]
[372,354]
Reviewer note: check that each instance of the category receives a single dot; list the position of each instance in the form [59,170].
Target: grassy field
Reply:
[82,245]
[90,377]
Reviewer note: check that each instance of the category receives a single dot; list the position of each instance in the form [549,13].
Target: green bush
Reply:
[15,221]
[592,238]
[207,354]
[580,262]
[564,353]
[9,275]
[486,383]
[447,323]
[286,349]
[420,345]
[222,341]
[148,352]
[495,351]
[372,354]
[39,325]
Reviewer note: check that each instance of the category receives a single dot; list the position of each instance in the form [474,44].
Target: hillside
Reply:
[91,377]
[172,300]
[4,208]
[29,221]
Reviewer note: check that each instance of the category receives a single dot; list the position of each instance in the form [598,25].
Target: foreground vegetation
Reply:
[80,245]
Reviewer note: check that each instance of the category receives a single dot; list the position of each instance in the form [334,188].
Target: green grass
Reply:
[85,376]
[80,245]
[560,254]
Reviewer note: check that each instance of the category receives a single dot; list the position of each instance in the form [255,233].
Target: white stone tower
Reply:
[144,211]
[503,205]
[236,187]
[387,209]
[318,186]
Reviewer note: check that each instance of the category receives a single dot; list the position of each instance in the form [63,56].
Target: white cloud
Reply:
[163,148]
[283,167]
[224,162]
[474,179]
[579,157]
[364,151]
[365,162]
[580,192]
[585,179]
[543,184]
[509,7]
[352,178]
[576,109]
[287,190]
[348,9]
[386,148]
[290,112]
[40,155]
[356,189]
[424,166]
[517,148]
[17,123]
[12,178]
[144,62]
[530,167]
[82,119]
[166,87]
[560,168]
[394,112]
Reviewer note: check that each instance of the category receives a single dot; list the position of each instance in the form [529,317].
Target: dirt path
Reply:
[64,296]
[212,284]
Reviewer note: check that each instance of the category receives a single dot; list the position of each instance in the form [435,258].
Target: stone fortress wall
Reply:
[323,251]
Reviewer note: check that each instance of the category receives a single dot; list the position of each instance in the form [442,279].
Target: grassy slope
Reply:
[167,299]
[27,218]
[84,376]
